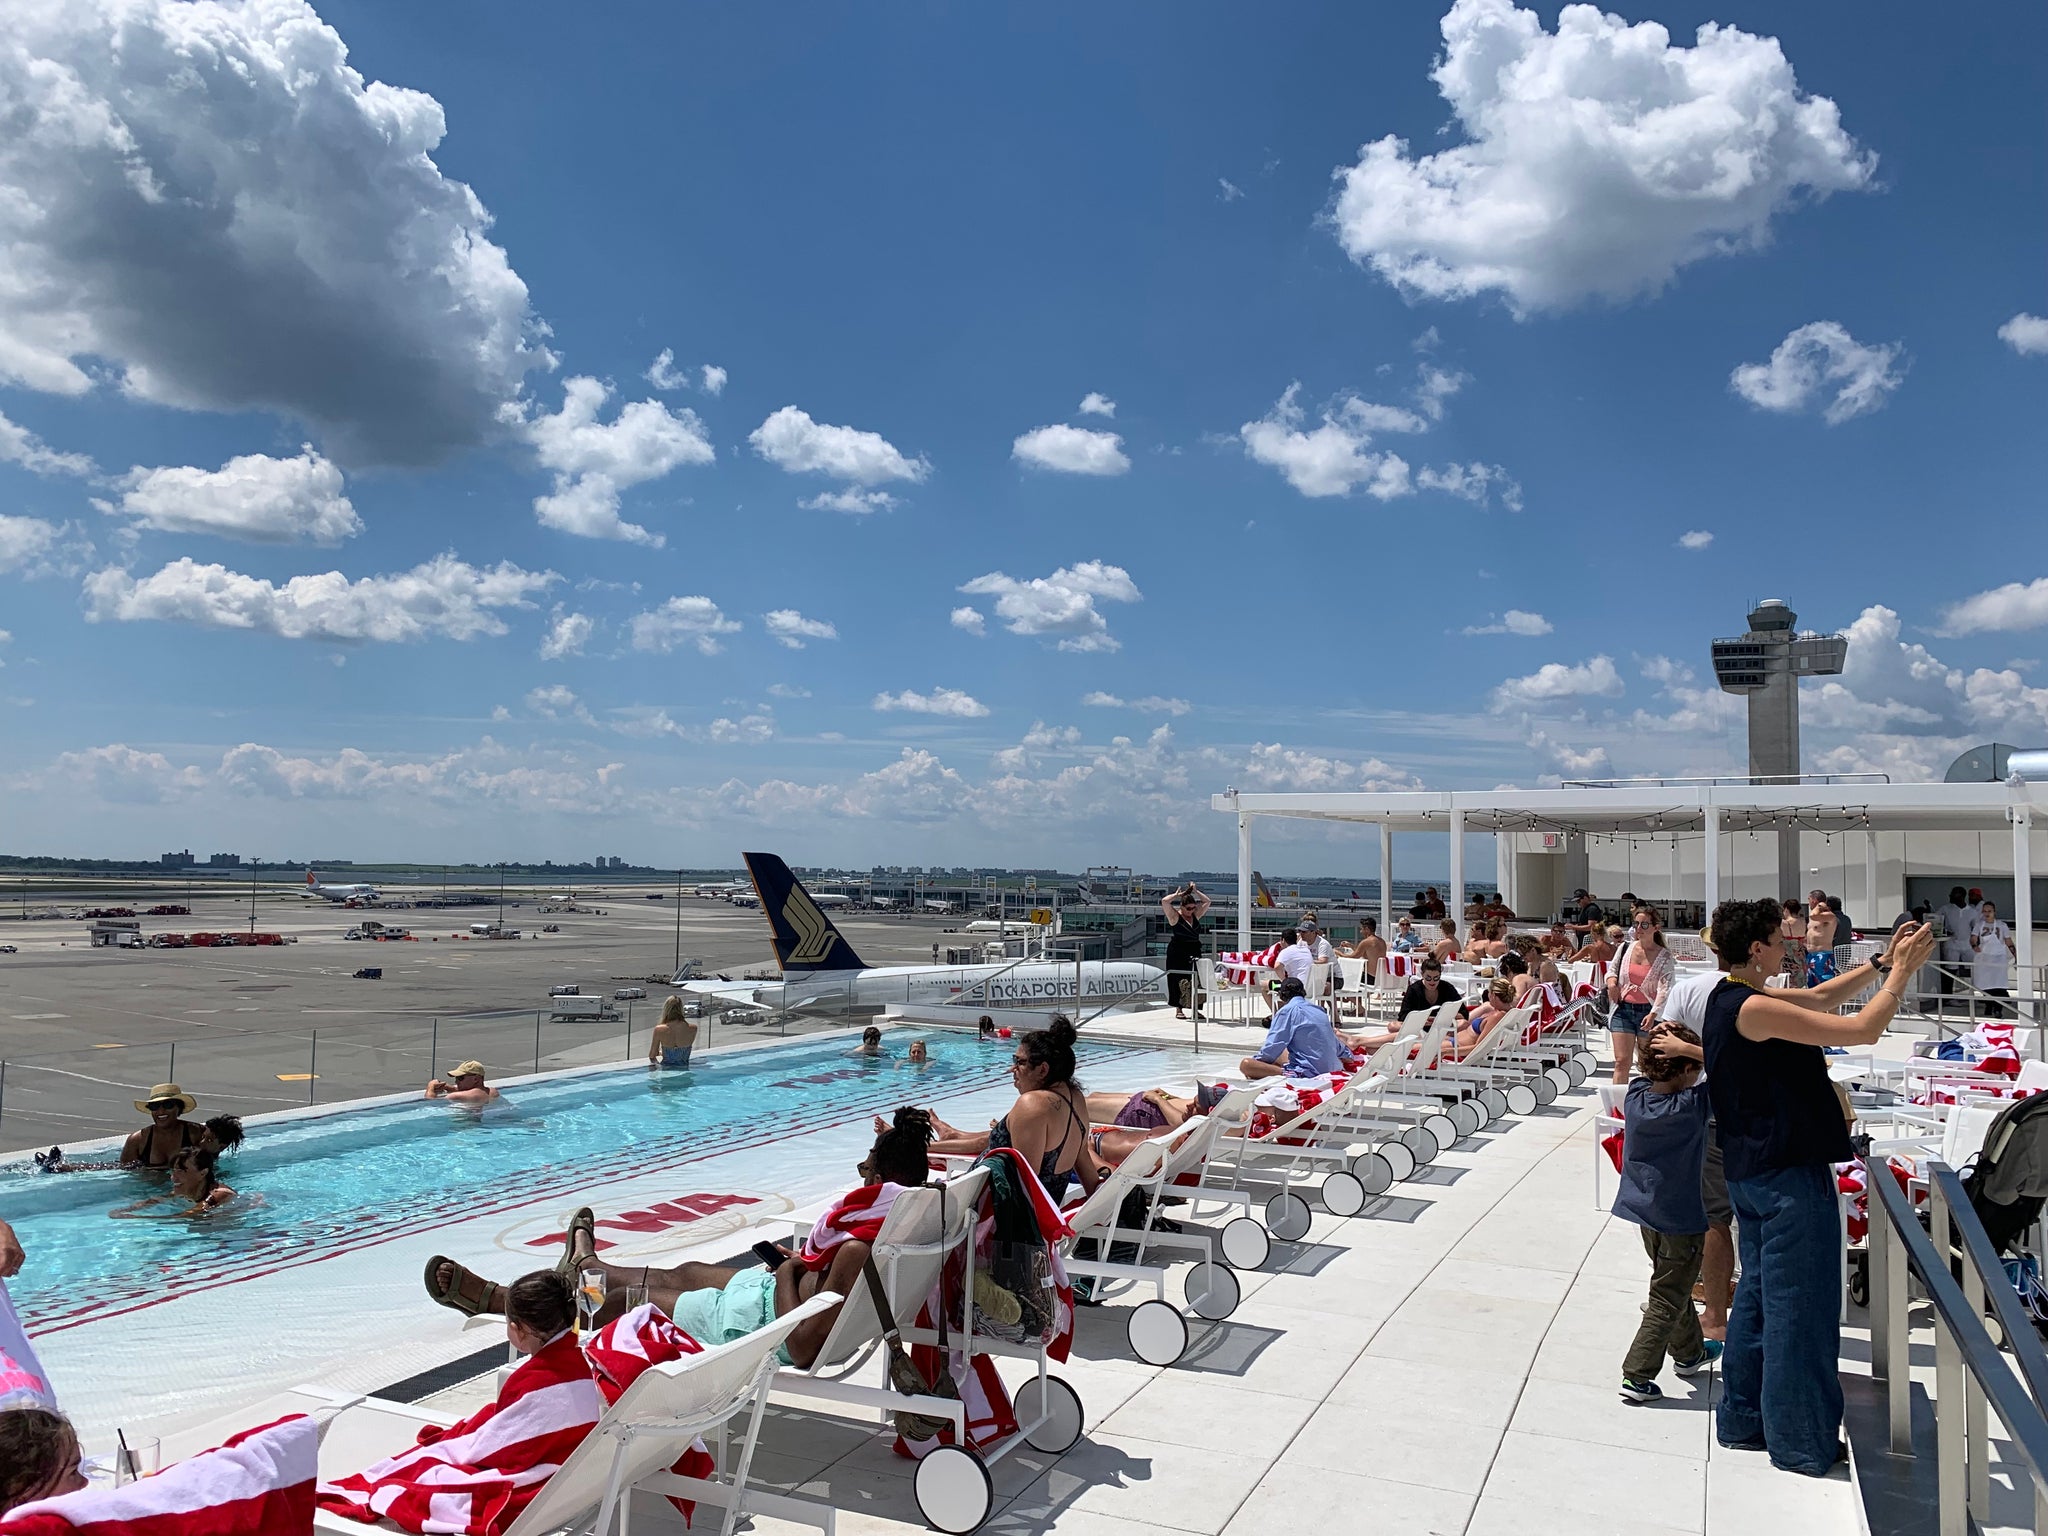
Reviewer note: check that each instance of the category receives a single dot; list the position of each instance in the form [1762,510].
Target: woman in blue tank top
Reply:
[1781,1126]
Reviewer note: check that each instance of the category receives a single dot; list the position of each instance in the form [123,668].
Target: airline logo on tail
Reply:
[1262,895]
[805,939]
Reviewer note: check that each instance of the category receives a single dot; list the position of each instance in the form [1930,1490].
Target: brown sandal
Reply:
[584,1221]
[467,1291]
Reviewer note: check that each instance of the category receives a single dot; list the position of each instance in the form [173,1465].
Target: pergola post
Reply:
[1244,881]
[1457,903]
[1386,878]
[2023,908]
[1870,880]
[1711,888]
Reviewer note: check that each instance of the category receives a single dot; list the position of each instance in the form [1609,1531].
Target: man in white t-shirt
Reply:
[1320,950]
[1295,957]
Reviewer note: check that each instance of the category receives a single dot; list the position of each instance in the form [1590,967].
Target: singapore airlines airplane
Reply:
[360,893]
[821,972]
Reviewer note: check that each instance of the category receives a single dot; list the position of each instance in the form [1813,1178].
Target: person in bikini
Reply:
[716,1304]
[1048,1124]
[670,1042]
[196,1189]
[168,1132]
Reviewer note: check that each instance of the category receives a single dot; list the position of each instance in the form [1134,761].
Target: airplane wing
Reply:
[730,994]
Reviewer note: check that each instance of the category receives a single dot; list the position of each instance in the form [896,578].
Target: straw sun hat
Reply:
[164,1093]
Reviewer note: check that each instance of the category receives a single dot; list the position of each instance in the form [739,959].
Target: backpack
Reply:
[2007,1182]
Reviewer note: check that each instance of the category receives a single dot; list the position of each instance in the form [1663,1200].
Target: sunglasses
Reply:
[1020,1061]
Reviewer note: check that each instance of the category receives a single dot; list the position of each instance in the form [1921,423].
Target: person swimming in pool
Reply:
[464,1084]
[715,1304]
[168,1132]
[220,1134]
[870,1042]
[919,1056]
[196,1190]
[673,1038]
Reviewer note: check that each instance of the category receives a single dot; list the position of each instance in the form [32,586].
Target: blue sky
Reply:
[1403,448]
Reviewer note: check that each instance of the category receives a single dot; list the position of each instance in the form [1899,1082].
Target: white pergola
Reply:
[1665,808]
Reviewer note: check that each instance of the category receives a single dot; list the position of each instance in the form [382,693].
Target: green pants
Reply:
[1670,1325]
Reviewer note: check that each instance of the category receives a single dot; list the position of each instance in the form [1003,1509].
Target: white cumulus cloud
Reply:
[1513,622]
[20,446]
[445,597]
[23,539]
[1071,451]
[1335,457]
[1596,160]
[1555,680]
[940,701]
[1095,403]
[694,621]
[1475,482]
[124,774]
[555,700]
[792,441]
[2026,334]
[567,634]
[792,629]
[2016,605]
[1697,539]
[1061,605]
[212,200]
[594,461]
[1150,704]
[713,378]
[970,619]
[852,503]
[663,374]
[1822,362]
[255,497]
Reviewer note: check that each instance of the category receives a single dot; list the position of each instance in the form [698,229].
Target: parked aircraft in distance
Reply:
[355,893]
[821,971]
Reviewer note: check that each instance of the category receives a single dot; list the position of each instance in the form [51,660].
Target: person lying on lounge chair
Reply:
[716,1305]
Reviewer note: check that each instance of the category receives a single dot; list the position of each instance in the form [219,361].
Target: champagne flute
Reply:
[590,1293]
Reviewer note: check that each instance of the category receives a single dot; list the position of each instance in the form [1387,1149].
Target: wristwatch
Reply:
[1882,966]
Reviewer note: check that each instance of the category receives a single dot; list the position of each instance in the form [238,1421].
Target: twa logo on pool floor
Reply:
[651,1229]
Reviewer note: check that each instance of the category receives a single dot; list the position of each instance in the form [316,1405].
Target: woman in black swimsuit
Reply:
[1048,1124]
[168,1132]
[1185,909]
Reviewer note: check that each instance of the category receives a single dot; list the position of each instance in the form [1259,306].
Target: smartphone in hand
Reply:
[770,1255]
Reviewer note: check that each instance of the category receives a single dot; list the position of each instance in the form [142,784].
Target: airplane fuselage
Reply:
[1008,985]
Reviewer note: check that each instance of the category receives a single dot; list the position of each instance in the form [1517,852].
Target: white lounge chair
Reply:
[640,1437]
[952,1485]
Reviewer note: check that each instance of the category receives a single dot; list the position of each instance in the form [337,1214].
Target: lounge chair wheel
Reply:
[1544,1089]
[1158,1333]
[1287,1217]
[1343,1194]
[1400,1161]
[1521,1100]
[1494,1102]
[1061,1407]
[1465,1116]
[1587,1060]
[1575,1069]
[1245,1244]
[1212,1290]
[1372,1170]
[954,1491]
[1423,1145]
[1561,1079]
[1444,1129]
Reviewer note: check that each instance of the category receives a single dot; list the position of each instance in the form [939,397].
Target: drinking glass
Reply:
[143,1455]
[590,1291]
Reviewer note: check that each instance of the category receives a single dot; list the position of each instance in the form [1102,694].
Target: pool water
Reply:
[315,1188]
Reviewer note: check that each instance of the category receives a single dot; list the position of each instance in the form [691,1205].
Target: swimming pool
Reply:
[320,1259]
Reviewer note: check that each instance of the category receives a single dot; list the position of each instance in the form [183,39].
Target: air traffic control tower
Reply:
[1767,664]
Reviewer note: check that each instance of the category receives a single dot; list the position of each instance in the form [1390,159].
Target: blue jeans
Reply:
[1780,1384]
[1627,1018]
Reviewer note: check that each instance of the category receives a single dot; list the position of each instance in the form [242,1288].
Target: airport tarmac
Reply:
[85,1031]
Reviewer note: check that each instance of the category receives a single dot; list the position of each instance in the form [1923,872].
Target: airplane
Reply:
[831,899]
[820,970]
[355,893]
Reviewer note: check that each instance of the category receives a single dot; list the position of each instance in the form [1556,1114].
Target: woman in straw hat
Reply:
[168,1132]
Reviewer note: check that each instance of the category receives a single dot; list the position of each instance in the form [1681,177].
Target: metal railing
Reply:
[1972,1378]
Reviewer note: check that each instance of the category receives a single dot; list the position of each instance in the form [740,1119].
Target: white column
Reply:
[1877,914]
[1386,880]
[1456,907]
[1244,881]
[2023,911]
[1671,896]
[1711,887]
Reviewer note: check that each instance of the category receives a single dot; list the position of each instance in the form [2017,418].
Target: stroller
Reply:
[2007,1184]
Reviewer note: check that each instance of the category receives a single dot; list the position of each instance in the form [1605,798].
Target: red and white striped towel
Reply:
[628,1345]
[1240,965]
[858,1215]
[258,1484]
[475,1477]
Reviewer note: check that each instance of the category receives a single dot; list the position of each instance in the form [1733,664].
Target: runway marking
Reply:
[297,1077]
[28,1017]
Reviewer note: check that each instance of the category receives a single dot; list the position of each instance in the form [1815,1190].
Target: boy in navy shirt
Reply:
[1664,1144]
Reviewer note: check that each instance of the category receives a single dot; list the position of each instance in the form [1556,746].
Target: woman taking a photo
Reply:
[1641,975]
[1781,1125]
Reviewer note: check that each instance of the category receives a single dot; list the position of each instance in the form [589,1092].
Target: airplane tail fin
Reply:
[311,878]
[1262,895]
[805,939]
